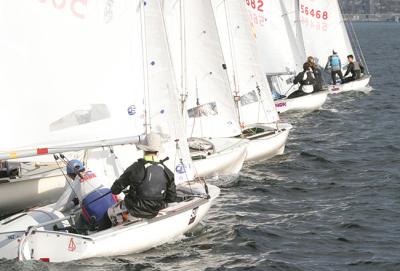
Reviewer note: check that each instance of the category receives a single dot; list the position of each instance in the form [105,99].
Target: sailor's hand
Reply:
[125,191]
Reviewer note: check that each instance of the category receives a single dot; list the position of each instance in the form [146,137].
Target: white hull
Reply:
[128,238]
[31,190]
[358,85]
[306,103]
[266,145]
[228,158]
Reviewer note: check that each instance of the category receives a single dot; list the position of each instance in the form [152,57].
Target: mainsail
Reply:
[77,80]
[200,71]
[324,30]
[165,116]
[246,77]
[69,78]
[276,41]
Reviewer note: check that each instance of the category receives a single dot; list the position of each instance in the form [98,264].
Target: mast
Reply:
[183,95]
[145,68]
[256,103]
[298,55]
[234,63]
[209,108]
[299,32]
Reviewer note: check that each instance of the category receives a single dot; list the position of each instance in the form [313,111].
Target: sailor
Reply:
[335,65]
[355,68]
[306,79]
[90,193]
[313,63]
[151,185]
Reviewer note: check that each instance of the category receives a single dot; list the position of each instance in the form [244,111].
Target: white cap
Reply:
[152,143]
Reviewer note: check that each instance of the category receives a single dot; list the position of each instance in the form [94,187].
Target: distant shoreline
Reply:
[373,17]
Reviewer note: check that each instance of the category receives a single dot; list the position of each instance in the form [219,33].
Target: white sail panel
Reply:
[165,117]
[324,30]
[246,76]
[274,46]
[290,10]
[69,74]
[198,63]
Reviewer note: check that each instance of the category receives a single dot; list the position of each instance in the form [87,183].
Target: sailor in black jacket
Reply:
[151,183]
[306,79]
[354,68]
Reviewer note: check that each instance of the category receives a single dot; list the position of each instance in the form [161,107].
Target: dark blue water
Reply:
[332,202]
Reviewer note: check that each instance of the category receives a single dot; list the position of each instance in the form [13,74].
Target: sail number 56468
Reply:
[318,14]
[256,4]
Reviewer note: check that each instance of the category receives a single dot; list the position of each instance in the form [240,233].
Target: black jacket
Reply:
[355,68]
[133,177]
[310,80]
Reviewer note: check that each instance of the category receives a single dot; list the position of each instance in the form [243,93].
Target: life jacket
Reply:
[335,63]
[307,84]
[97,203]
[154,184]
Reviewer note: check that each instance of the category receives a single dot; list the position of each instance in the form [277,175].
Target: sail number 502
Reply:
[318,14]
[76,6]
[256,4]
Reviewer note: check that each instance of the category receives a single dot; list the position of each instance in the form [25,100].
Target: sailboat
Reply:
[323,30]
[30,182]
[204,94]
[282,54]
[130,40]
[257,113]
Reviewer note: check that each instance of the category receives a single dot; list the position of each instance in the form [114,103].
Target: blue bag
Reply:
[97,203]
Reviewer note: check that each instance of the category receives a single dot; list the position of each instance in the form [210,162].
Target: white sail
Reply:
[280,48]
[165,117]
[276,43]
[69,75]
[198,63]
[324,30]
[86,76]
[247,79]
[290,9]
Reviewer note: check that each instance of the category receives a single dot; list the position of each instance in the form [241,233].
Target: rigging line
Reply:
[95,189]
[65,176]
[178,154]
[198,105]
[183,47]
[359,47]
[355,38]
[142,5]
[262,104]
[116,159]
[65,159]
[196,115]
[232,46]
[235,76]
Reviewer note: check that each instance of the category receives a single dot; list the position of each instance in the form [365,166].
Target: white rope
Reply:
[355,39]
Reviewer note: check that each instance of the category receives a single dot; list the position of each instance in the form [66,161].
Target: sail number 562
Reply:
[318,14]
[256,4]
